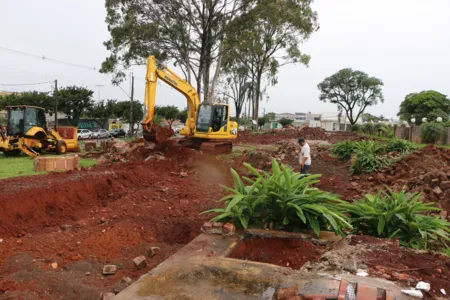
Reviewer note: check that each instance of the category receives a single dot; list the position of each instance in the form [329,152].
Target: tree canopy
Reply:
[122,110]
[426,104]
[187,33]
[285,122]
[74,101]
[270,39]
[351,90]
[34,98]
[170,113]
[102,111]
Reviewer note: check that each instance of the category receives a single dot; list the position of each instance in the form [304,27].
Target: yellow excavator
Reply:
[208,126]
[27,132]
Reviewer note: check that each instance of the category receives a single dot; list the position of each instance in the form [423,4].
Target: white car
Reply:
[84,134]
[100,134]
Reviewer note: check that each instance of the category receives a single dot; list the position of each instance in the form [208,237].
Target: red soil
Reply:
[406,265]
[291,253]
[117,212]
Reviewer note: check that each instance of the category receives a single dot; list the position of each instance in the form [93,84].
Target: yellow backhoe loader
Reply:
[27,132]
[208,126]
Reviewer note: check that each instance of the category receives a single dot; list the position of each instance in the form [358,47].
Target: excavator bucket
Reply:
[158,134]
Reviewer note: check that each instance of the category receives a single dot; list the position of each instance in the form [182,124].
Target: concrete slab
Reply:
[202,270]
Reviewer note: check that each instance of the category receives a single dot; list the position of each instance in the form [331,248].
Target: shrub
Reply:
[367,162]
[431,132]
[285,199]
[355,128]
[369,147]
[285,122]
[400,145]
[343,150]
[398,215]
[368,128]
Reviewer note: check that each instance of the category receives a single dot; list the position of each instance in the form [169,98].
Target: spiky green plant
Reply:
[398,215]
[400,145]
[284,198]
[343,150]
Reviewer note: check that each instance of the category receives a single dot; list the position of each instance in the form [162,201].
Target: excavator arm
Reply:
[168,76]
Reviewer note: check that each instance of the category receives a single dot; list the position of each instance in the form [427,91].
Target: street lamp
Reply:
[439,119]
[413,120]
[424,120]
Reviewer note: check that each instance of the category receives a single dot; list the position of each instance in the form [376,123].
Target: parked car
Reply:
[100,134]
[118,133]
[84,134]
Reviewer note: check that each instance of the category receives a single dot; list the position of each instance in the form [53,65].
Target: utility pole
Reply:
[56,103]
[131,104]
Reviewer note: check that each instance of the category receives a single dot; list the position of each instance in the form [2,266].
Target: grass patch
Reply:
[23,166]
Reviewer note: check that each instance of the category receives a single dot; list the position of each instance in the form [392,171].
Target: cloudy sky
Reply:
[406,43]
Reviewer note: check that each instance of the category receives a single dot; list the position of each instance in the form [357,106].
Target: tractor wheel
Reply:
[61,147]
[15,152]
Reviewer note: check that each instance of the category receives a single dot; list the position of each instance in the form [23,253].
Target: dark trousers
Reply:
[305,169]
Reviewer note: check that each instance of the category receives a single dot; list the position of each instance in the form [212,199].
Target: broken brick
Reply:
[437,190]
[228,229]
[109,269]
[207,228]
[445,185]
[217,228]
[140,262]
[286,293]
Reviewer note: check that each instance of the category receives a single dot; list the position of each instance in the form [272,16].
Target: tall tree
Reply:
[236,86]
[102,111]
[74,101]
[169,113]
[122,110]
[184,32]
[270,39]
[426,104]
[351,90]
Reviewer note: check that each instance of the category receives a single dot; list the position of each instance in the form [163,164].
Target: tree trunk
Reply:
[257,95]
[216,73]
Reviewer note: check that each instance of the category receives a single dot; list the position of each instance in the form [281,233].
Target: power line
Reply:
[22,84]
[43,57]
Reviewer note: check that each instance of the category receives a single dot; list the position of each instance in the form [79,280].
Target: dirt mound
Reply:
[273,136]
[310,133]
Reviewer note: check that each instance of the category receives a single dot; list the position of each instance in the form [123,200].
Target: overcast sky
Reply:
[406,43]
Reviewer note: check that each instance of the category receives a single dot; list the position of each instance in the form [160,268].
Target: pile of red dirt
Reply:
[273,136]
[110,213]
[291,253]
[397,263]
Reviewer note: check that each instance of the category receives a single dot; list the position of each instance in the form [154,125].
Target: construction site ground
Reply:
[57,231]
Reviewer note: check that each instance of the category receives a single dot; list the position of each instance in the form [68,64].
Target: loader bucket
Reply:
[70,136]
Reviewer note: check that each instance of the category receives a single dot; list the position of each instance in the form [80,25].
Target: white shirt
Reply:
[305,152]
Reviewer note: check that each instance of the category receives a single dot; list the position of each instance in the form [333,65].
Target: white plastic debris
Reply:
[413,293]
[443,292]
[362,273]
[423,286]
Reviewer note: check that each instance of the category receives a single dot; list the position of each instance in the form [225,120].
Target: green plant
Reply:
[431,132]
[398,215]
[355,128]
[367,162]
[284,199]
[368,128]
[369,147]
[400,145]
[343,150]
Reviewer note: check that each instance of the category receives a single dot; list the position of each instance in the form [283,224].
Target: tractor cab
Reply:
[23,118]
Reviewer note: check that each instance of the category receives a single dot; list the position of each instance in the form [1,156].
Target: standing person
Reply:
[305,156]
